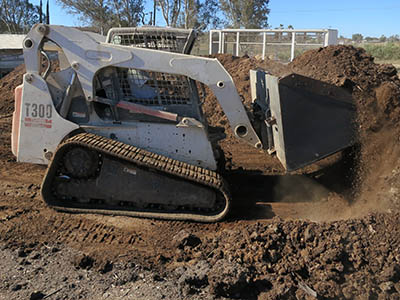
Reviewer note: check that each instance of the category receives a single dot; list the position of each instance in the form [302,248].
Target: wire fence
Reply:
[281,44]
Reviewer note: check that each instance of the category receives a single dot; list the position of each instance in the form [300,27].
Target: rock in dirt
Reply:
[22,252]
[183,239]
[105,267]
[37,295]
[55,249]
[157,277]
[16,287]
[84,261]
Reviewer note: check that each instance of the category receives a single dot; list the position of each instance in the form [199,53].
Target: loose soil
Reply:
[326,234]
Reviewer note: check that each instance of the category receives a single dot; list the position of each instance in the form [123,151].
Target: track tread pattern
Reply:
[142,158]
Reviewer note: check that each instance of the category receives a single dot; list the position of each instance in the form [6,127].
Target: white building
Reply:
[10,52]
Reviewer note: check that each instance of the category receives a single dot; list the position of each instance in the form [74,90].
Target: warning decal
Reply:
[37,122]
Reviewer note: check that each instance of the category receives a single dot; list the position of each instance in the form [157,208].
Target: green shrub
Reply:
[387,51]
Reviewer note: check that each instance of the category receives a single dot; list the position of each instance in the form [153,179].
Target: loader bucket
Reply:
[310,119]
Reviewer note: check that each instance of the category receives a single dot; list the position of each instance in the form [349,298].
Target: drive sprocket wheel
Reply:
[80,162]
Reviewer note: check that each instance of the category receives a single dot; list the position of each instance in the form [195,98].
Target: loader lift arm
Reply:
[87,56]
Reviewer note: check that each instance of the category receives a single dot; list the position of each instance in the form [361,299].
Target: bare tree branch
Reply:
[106,13]
[18,16]
[246,13]
[170,10]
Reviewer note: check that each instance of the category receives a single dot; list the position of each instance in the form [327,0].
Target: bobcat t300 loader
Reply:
[120,125]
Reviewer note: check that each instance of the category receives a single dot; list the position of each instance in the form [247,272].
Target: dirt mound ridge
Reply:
[336,64]
[239,68]
[375,87]
[353,69]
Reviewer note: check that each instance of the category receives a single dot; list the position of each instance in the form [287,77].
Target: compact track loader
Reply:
[120,124]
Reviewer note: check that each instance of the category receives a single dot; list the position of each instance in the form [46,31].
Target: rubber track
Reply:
[141,158]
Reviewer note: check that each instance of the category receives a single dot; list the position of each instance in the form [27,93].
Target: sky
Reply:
[368,17]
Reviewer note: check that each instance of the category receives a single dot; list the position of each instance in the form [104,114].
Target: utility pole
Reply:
[154,12]
[47,13]
[40,12]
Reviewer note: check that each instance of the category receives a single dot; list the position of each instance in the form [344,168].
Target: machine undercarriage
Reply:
[90,173]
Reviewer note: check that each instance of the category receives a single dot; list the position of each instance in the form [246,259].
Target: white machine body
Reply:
[81,96]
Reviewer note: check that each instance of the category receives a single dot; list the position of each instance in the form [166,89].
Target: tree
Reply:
[357,37]
[17,16]
[189,18]
[370,38]
[171,10]
[190,13]
[208,14]
[106,13]
[382,38]
[245,13]
[128,12]
[199,15]
[393,38]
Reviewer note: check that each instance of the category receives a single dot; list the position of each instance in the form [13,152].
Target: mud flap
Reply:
[309,119]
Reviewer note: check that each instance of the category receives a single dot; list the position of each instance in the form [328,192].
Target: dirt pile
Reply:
[240,155]
[273,259]
[373,86]
[239,68]
[296,260]
[7,86]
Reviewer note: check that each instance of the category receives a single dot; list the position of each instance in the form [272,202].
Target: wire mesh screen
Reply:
[145,87]
[153,88]
[160,39]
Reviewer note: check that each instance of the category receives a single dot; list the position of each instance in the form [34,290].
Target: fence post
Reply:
[223,43]
[331,36]
[219,41]
[264,42]
[293,44]
[210,44]
[237,43]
